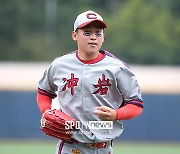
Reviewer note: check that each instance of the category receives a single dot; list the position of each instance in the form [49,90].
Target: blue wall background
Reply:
[160,121]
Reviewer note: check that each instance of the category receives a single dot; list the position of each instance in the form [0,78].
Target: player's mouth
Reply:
[92,44]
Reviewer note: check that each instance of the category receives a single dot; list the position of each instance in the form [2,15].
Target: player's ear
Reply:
[103,37]
[74,36]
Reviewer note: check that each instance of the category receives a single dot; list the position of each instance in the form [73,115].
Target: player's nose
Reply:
[93,36]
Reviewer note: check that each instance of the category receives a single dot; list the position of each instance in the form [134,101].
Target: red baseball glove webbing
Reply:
[53,123]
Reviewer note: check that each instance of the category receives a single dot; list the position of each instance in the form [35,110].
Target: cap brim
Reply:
[98,21]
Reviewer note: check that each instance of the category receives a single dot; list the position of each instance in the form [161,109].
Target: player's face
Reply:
[89,40]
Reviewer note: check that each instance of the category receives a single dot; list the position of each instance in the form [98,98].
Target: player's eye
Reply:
[98,34]
[86,33]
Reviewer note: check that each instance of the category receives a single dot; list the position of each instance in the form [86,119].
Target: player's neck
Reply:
[87,56]
[98,57]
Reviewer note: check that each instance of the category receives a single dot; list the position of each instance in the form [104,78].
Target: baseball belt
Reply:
[97,145]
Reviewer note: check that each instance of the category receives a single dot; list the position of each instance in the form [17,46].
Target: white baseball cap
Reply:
[86,18]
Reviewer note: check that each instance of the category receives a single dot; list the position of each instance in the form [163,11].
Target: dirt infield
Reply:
[158,79]
[152,79]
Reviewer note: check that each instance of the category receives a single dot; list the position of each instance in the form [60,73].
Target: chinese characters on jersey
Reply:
[101,87]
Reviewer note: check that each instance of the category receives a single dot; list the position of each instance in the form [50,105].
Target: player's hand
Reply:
[105,113]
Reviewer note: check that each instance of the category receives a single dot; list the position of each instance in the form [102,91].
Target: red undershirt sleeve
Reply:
[128,111]
[44,102]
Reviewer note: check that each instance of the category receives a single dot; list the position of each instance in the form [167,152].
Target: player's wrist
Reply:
[44,111]
[116,118]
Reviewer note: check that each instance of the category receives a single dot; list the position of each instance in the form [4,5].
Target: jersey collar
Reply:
[101,55]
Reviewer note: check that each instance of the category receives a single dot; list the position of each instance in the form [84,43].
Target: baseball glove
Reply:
[54,123]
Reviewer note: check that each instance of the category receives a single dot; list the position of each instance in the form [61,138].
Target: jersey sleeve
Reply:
[128,87]
[46,84]
[44,102]
[128,111]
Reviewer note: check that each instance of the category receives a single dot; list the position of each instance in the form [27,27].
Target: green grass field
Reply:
[48,147]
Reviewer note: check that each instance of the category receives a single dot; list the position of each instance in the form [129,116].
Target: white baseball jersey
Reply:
[81,87]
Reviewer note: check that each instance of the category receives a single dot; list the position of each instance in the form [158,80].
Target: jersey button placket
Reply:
[85,73]
[84,90]
[85,69]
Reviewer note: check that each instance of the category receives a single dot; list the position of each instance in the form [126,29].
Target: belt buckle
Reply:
[108,144]
[90,145]
[103,144]
[97,145]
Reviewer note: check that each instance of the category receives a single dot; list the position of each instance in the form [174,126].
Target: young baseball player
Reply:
[93,87]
